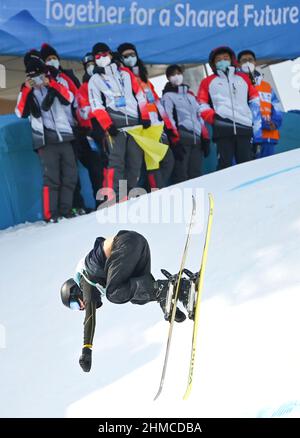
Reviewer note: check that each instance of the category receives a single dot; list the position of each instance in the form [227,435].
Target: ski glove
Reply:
[85,360]
[113,131]
[172,135]
[146,124]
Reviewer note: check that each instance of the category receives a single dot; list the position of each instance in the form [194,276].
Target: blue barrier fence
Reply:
[20,172]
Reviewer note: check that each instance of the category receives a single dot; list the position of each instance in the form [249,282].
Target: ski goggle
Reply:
[102,55]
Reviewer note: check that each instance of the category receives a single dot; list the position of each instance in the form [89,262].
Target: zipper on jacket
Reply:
[121,87]
[54,124]
[185,96]
[232,106]
[193,122]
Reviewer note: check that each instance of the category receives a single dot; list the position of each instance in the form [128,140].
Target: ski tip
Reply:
[187,394]
[157,395]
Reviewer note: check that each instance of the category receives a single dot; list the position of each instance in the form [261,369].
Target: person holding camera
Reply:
[42,99]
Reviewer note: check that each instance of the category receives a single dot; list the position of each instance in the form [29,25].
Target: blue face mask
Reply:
[130,61]
[223,65]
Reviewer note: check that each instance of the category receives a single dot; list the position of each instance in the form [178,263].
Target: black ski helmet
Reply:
[70,291]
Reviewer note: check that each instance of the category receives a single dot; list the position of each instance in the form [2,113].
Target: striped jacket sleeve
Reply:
[203,97]
[64,95]
[139,95]
[22,109]
[277,110]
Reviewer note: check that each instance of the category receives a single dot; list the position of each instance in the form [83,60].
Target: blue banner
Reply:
[164,31]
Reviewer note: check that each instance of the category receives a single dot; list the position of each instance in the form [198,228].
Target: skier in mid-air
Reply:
[118,267]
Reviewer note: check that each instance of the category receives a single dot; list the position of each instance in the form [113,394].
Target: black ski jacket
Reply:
[126,274]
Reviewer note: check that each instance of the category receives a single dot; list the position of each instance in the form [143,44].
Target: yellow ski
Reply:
[175,299]
[198,298]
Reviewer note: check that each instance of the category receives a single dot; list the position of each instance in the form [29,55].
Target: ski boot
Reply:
[189,295]
[165,291]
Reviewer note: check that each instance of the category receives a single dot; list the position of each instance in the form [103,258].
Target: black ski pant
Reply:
[125,159]
[128,270]
[93,162]
[191,164]
[236,147]
[160,178]
[59,178]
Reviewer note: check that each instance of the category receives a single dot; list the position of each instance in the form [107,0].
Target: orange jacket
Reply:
[270,110]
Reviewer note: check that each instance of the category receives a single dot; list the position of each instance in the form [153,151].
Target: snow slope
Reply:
[248,356]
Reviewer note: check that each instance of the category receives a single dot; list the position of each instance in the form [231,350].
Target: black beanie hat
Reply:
[126,46]
[88,57]
[219,50]
[100,47]
[245,52]
[47,50]
[35,67]
[31,54]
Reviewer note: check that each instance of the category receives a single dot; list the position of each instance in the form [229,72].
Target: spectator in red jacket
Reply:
[230,103]
[157,178]
[43,100]
[117,102]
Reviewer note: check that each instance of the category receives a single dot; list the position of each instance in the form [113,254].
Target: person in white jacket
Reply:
[117,102]
[230,103]
[43,99]
[192,140]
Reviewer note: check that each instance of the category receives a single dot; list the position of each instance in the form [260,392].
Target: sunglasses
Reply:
[102,55]
[129,55]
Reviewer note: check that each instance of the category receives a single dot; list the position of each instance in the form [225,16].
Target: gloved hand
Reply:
[48,100]
[178,151]
[205,145]
[146,124]
[85,360]
[173,136]
[113,131]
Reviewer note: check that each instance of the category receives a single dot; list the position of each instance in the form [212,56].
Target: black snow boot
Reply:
[161,290]
[183,297]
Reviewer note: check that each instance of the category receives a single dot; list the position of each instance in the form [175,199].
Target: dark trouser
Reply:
[125,160]
[59,178]
[93,162]
[236,147]
[159,178]
[191,165]
[128,269]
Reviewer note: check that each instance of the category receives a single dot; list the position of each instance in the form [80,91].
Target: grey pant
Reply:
[125,160]
[160,178]
[59,178]
[191,165]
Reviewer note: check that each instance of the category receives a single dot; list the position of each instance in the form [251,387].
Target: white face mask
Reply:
[248,67]
[176,79]
[104,61]
[53,63]
[90,70]
[130,61]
